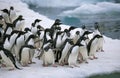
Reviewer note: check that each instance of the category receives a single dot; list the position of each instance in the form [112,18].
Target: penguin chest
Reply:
[66,49]
[25,55]
[31,42]
[34,30]
[49,56]
[12,15]
[94,46]
[19,25]
[6,59]
[7,44]
[20,40]
[6,17]
[74,54]
[12,39]
[58,42]
[83,51]
[9,30]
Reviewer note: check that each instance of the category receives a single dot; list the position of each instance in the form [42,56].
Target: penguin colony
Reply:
[56,47]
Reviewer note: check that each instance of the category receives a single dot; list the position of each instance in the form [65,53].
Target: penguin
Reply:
[76,36]
[83,29]
[64,50]
[13,14]
[24,54]
[8,29]
[2,22]
[7,44]
[92,46]
[83,52]
[39,27]
[19,41]
[56,23]
[48,56]
[101,40]
[40,34]
[13,36]
[19,23]
[58,43]
[5,14]
[28,33]
[47,43]
[47,35]
[86,34]
[30,41]
[34,26]
[73,54]
[55,28]
[66,35]
[8,58]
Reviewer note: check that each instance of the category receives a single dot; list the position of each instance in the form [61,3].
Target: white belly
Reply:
[49,57]
[73,56]
[7,61]
[25,56]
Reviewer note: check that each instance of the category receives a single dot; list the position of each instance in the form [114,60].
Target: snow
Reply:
[107,61]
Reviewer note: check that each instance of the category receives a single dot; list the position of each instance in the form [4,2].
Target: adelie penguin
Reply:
[8,29]
[13,15]
[83,54]
[48,56]
[5,14]
[92,46]
[19,23]
[19,41]
[8,58]
[34,26]
[101,40]
[30,41]
[24,54]
[73,54]
[64,51]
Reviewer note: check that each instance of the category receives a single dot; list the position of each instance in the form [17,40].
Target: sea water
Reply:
[79,12]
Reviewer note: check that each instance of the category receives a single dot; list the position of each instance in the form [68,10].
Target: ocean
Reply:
[82,12]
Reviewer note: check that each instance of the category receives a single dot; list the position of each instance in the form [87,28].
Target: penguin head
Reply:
[27,29]
[31,46]
[5,11]
[57,22]
[67,32]
[98,36]
[37,20]
[33,36]
[47,48]
[1,17]
[72,28]
[38,32]
[11,8]
[77,32]
[39,27]
[96,25]
[86,33]
[70,41]
[15,31]
[20,17]
[83,27]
